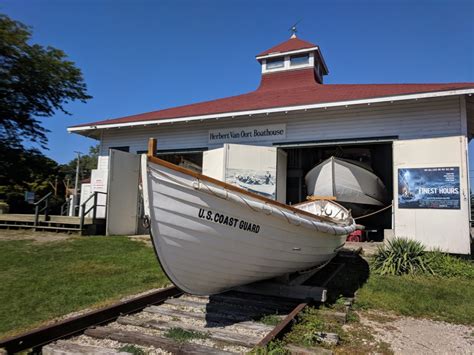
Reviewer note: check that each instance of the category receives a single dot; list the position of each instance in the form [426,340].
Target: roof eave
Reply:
[416,96]
[279,54]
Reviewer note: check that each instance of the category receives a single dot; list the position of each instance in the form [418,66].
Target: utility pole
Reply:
[55,185]
[76,197]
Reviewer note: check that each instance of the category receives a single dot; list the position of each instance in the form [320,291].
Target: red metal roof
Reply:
[293,44]
[283,89]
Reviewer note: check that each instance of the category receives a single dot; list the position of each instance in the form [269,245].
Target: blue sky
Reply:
[139,56]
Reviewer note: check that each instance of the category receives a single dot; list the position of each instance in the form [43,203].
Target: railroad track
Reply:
[220,324]
[232,322]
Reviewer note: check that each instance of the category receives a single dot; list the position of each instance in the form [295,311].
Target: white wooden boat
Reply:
[353,185]
[211,236]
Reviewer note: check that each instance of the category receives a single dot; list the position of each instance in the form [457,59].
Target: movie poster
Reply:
[434,188]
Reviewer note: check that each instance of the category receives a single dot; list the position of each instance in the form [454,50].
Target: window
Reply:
[275,63]
[299,59]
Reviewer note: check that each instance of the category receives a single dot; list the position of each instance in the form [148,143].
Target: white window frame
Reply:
[287,64]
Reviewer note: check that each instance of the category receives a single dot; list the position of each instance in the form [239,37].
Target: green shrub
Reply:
[447,265]
[401,256]
[404,256]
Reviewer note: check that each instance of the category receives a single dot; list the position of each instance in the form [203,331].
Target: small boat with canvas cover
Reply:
[353,185]
[210,236]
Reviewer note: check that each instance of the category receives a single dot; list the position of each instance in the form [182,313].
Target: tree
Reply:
[28,170]
[87,163]
[35,81]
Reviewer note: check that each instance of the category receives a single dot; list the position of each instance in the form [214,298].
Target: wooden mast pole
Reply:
[151,147]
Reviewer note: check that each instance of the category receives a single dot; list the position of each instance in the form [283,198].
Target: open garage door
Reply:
[122,195]
[432,192]
[373,155]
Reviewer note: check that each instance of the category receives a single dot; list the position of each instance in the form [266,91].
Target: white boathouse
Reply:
[413,136]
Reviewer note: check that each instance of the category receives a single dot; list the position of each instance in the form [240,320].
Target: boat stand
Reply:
[291,285]
[288,286]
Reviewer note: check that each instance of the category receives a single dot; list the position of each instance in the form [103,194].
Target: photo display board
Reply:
[429,188]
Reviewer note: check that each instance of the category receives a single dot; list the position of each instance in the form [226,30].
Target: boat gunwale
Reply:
[233,188]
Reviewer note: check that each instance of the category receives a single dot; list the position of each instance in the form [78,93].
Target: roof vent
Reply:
[293,54]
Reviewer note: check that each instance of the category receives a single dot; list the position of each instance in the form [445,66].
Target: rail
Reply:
[39,209]
[226,309]
[39,337]
[66,206]
[92,208]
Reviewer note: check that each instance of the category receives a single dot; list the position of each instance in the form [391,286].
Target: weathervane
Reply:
[294,30]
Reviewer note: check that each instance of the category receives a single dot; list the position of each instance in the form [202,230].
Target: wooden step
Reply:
[156,341]
[52,218]
[218,334]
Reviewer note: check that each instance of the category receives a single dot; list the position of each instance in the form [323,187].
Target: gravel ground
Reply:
[106,343]
[408,335]
[205,342]
[236,327]
[112,344]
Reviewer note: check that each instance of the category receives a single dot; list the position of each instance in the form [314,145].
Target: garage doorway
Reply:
[375,156]
[187,158]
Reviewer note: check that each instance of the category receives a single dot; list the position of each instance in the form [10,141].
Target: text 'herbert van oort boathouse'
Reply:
[407,141]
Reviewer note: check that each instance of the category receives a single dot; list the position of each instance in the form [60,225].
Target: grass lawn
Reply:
[440,298]
[444,298]
[41,281]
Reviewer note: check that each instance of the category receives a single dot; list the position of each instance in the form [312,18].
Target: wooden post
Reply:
[94,213]
[318,197]
[151,147]
[36,215]
[82,216]
[46,209]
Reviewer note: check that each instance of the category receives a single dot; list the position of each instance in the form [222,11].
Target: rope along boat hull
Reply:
[210,236]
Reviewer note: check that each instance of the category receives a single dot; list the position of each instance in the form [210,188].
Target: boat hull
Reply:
[353,186]
[207,242]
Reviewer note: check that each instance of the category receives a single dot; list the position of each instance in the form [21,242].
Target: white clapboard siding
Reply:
[426,118]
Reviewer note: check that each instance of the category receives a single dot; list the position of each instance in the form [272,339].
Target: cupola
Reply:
[293,54]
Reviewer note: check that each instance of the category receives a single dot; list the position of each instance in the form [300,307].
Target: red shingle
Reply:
[293,44]
[291,88]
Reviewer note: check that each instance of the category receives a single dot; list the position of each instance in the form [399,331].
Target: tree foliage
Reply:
[27,170]
[86,164]
[35,81]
